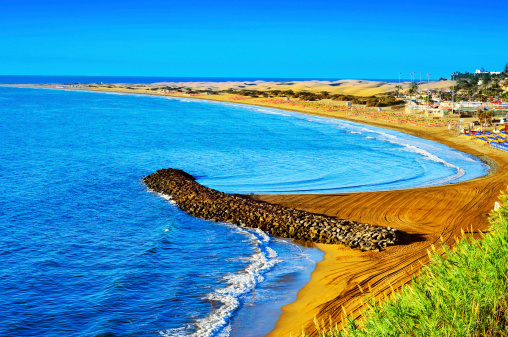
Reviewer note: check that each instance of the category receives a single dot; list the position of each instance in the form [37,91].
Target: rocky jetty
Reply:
[206,203]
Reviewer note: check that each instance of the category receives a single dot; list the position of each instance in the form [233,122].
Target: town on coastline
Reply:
[481,94]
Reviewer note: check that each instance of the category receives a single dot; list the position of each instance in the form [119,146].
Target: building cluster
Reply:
[478,71]
[439,106]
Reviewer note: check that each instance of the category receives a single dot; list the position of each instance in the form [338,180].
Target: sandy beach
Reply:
[429,216]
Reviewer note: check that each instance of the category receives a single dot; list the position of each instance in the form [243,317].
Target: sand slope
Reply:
[346,87]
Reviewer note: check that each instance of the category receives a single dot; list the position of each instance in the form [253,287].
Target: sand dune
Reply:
[347,87]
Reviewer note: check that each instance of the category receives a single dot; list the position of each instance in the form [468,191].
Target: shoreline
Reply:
[425,213]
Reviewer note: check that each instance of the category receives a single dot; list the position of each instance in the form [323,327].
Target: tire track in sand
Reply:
[425,214]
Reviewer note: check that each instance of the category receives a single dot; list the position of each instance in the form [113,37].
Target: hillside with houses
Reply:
[471,94]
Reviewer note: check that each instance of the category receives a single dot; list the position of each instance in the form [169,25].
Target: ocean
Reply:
[87,250]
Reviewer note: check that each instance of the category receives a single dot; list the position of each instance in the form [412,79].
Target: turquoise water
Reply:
[86,250]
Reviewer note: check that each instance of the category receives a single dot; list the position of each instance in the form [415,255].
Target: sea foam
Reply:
[229,298]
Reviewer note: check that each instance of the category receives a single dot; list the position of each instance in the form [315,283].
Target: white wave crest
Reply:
[459,171]
[217,323]
[163,196]
[417,148]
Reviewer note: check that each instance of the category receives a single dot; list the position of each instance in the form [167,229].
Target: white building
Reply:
[478,71]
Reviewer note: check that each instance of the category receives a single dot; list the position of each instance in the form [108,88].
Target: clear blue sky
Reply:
[243,38]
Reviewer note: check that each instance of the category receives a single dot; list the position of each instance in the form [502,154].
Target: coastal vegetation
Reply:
[481,85]
[381,100]
[462,292]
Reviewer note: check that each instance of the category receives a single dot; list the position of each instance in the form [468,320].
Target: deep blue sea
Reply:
[86,250]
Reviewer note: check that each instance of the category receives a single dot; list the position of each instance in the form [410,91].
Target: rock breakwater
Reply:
[203,202]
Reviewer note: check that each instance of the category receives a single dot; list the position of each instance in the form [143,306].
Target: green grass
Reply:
[464,294]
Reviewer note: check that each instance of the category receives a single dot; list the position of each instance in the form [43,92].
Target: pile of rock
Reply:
[203,202]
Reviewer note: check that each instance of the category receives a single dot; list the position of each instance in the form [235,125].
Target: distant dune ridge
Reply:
[344,87]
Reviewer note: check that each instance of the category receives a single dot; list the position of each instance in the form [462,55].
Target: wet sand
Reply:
[426,214]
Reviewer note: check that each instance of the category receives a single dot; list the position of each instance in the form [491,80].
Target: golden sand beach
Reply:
[429,215]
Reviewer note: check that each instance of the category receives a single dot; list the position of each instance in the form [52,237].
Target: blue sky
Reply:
[293,39]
